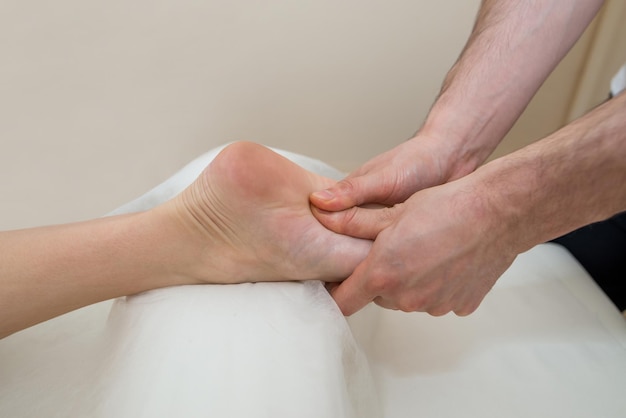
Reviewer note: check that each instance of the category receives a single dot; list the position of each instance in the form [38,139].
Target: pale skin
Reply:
[247,218]
[454,228]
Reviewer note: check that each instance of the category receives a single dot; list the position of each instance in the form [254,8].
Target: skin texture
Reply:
[254,208]
[246,218]
[441,249]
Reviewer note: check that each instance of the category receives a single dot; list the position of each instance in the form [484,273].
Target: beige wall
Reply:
[99,101]
[579,83]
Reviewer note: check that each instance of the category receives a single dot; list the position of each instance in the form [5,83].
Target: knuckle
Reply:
[335,221]
[466,310]
[413,303]
[439,310]
[377,285]
[470,304]
[349,218]
[462,312]
[409,306]
[381,284]
[342,222]
[347,185]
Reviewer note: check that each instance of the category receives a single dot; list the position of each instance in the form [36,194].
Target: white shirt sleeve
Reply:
[618,83]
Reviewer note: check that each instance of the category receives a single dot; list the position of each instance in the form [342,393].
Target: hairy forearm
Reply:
[512,49]
[573,177]
[48,271]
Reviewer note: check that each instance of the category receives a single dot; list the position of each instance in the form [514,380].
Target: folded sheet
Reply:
[266,349]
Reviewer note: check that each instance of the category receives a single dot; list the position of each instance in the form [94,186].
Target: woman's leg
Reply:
[245,219]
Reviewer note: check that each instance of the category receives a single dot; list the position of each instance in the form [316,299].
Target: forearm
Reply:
[512,49]
[48,271]
[574,177]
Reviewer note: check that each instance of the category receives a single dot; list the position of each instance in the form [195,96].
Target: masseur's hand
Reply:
[393,176]
[440,251]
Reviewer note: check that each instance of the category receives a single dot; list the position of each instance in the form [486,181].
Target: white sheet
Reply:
[545,342]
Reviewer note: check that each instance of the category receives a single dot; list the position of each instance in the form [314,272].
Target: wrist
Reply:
[508,192]
[527,204]
[452,140]
[574,177]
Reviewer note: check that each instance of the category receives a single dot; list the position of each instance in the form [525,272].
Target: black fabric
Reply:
[601,249]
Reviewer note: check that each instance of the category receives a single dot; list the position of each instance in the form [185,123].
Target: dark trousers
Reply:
[601,249]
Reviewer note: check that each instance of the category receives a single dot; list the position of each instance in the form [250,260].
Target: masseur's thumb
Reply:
[356,221]
[349,192]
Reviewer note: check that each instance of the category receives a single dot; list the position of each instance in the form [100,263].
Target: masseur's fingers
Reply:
[343,254]
[388,178]
[353,294]
[430,258]
[374,279]
[357,222]
[351,191]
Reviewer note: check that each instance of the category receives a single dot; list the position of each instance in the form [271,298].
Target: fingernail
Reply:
[324,195]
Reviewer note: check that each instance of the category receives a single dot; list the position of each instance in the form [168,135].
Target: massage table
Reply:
[546,342]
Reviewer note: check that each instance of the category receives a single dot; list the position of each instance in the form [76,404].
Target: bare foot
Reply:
[250,212]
